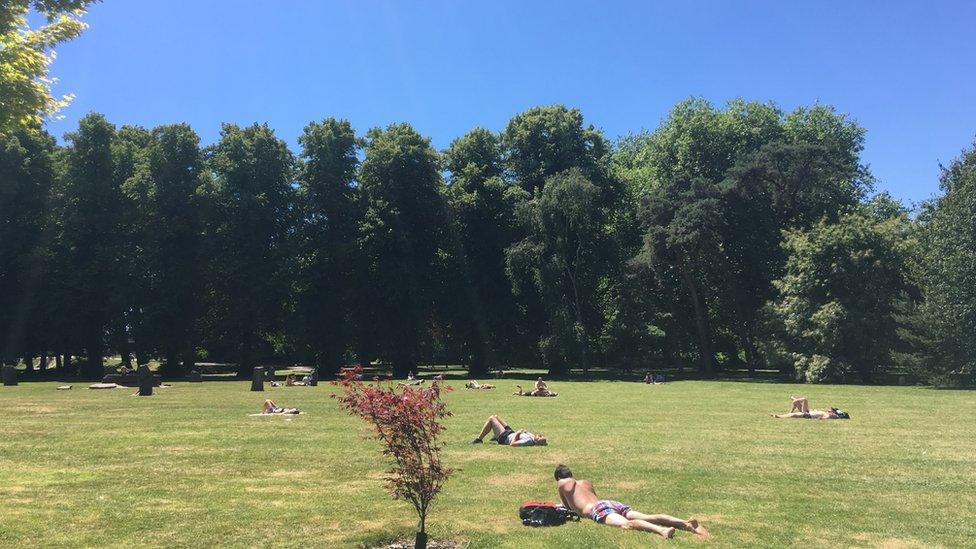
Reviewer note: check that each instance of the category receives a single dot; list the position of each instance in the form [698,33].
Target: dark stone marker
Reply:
[146,381]
[313,377]
[194,376]
[257,381]
[9,376]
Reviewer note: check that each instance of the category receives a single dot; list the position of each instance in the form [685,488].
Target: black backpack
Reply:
[544,513]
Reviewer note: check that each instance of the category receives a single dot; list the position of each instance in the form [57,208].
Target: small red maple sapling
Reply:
[407,421]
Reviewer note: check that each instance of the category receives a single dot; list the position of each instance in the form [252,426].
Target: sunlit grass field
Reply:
[189,467]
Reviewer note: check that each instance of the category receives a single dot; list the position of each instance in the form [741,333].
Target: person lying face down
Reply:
[507,436]
[580,496]
[800,409]
[270,407]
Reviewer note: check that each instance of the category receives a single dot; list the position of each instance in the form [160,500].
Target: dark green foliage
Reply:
[93,237]
[249,239]
[839,297]
[734,238]
[26,180]
[403,229]
[563,253]
[482,205]
[330,268]
[168,191]
[944,338]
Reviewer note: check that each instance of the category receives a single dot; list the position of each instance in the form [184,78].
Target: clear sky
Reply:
[904,70]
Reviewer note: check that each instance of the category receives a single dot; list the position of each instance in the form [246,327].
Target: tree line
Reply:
[742,237]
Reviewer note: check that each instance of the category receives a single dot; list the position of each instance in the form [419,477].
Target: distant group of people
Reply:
[652,379]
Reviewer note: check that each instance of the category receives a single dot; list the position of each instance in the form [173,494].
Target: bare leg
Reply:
[495,424]
[791,415]
[690,525]
[614,519]
[799,405]
[268,406]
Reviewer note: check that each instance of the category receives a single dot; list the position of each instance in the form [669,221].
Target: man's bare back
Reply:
[578,495]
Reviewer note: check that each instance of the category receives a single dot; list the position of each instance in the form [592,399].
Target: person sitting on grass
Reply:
[270,407]
[506,436]
[800,409]
[544,392]
[473,384]
[579,496]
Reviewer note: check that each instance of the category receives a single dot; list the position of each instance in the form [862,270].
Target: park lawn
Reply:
[189,467]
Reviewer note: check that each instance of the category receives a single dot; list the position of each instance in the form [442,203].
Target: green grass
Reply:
[189,467]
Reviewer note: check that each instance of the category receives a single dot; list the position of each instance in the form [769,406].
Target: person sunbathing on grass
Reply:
[506,436]
[473,384]
[270,407]
[800,409]
[534,393]
[579,496]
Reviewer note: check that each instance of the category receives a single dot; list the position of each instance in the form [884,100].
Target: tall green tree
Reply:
[719,186]
[482,204]
[838,301]
[946,271]
[92,235]
[329,260]
[253,206]
[167,189]
[403,234]
[26,180]
[563,252]
[538,144]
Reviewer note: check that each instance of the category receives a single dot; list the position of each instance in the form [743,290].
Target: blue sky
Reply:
[906,71]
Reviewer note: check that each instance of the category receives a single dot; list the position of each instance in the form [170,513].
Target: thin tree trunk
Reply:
[94,367]
[28,364]
[701,322]
[245,366]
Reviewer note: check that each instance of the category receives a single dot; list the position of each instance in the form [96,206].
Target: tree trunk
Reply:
[28,365]
[58,365]
[245,365]
[189,359]
[701,323]
[172,362]
[742,332]
[478,366]
[94,367]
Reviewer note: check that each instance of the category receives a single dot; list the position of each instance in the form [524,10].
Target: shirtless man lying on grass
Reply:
[506,436]
[800,409]
[579,496]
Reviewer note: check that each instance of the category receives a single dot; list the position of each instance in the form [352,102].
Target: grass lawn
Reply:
[189,467]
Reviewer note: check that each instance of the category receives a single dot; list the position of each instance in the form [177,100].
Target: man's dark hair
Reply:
[562,472]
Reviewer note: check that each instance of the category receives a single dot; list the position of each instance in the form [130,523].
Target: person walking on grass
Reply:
[579,496]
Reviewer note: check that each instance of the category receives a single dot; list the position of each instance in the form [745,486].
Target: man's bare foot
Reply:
[698,529]
[668,533]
